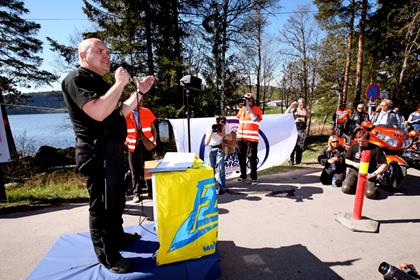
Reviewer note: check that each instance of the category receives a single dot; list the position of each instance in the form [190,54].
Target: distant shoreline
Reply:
[38,103]
[56,111]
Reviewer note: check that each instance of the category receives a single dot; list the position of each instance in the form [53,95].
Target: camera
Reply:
[242,101]
[216,128]
[390,272]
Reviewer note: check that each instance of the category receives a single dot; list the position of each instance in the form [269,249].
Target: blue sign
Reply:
[372,92]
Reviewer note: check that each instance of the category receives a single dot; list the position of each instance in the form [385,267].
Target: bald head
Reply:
[94,55]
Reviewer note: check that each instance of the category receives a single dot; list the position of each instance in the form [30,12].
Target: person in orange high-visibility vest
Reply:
[249,116]
[139,121]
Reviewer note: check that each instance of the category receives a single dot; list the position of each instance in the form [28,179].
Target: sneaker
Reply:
[120,266]
[254,182]
[290,162]
[136,198]
[241,179]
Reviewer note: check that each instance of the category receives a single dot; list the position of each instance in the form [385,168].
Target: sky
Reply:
[62,19]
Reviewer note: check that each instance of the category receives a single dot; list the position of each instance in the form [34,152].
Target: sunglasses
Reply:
[360,108]
[334,141]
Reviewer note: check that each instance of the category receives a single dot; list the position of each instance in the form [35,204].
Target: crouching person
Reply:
[332,158]
[377,165]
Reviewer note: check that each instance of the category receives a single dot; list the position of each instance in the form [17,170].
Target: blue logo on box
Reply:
[203,217]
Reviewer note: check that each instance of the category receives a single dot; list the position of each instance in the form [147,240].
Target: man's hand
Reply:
[333,159]
[145,84]
[122,76]
[371,175]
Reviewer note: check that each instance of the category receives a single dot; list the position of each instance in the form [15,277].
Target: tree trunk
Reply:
[348,56]
[358,83]
[10,142]
[177,38]
[223,58]
[148,31]
[259,35]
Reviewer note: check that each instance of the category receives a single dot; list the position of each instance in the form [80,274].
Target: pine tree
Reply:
[19,62]
[19,59]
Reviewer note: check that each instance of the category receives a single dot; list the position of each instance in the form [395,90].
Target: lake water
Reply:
[34,130]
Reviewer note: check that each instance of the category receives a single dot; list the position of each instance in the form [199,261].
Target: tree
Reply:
[335,16]
[394,48]
[299,34]
[359,65]
[349,51]
[225,21]
[19,62]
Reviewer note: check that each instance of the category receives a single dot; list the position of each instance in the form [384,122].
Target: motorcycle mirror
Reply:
[412,134]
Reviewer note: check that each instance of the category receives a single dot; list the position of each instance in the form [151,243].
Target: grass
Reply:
[67,186]
[46,189]
[314,145]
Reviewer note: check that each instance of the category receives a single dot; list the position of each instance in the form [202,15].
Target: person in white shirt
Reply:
[386,116]
[215,135]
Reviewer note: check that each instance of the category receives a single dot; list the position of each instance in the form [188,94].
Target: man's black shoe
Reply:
[221,191]
[120,266]
[128,238]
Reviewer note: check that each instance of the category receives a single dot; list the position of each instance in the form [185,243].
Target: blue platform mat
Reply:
[72,257]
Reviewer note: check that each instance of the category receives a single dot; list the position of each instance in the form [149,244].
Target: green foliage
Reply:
[393,35]
[46,189]
[19,62]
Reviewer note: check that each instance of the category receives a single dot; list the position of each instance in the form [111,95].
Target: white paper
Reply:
[175,162]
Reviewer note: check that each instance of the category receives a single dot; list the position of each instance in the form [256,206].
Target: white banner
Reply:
[277,133]
[4,147]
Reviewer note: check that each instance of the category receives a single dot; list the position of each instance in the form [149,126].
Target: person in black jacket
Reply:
[332,158]
[100,131]
[360,114]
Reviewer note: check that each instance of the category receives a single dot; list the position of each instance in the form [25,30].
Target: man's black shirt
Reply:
[79,87]
[377,156]
[94,138]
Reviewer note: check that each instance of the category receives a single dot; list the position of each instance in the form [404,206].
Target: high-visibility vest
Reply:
[146,122]
[342,116]
[248,129]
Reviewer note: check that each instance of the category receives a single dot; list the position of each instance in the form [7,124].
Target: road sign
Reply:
[384,94]
[373,91]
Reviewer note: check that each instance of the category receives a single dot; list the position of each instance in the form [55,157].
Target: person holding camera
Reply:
[215,135]
[333,161]
[301,115]
[249,116]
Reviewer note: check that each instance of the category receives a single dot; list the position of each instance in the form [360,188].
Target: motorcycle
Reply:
[393,141]
[412,153]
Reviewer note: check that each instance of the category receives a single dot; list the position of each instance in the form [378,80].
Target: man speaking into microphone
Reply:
[100,130]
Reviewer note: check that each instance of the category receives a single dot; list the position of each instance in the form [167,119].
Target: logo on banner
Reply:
[203,217]
[232,161]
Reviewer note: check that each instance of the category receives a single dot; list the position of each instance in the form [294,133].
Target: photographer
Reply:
[249,116]
[332,159]
[215,135]
[301,115]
